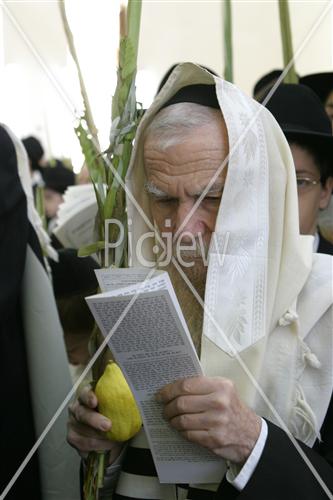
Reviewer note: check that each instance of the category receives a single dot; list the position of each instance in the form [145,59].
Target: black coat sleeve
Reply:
[282,473]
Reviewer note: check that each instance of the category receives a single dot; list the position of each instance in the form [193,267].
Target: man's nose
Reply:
[188,221]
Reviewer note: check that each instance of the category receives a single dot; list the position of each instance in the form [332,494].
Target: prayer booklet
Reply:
[76,217]
[151,343]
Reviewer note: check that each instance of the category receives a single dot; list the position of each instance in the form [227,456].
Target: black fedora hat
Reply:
[301,115]
[320,83]
[58,177]
[265,83]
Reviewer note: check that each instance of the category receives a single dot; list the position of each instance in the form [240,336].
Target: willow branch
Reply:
[133,24]
[69,35]
[287,43]
[228,56]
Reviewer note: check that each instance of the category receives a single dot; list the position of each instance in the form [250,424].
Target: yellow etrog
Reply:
[116,402]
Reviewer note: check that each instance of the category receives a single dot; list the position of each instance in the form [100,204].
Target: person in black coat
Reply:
[34,368]
[307,128]
[17,423]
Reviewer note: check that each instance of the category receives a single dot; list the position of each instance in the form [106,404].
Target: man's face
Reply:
[52,200]
[179,174]
[311,197]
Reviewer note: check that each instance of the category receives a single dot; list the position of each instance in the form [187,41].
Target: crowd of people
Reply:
[209,160]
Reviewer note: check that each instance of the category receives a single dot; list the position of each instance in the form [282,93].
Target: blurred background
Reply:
[40,93]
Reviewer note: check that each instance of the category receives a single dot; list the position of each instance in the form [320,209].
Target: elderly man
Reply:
[212,167]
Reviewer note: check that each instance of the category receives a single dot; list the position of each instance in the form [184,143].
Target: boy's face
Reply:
[311,197]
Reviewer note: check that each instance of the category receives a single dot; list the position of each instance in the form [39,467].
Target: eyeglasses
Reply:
[305,183]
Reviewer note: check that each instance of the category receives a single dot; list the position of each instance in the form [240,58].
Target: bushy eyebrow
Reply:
[153,190]
[216,188]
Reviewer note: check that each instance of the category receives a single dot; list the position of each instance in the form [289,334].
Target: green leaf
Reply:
[93,159]
[127,58]
[110,200]
[90,249]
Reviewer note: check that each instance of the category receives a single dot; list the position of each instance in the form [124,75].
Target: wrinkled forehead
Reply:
[190,125]
[186,118]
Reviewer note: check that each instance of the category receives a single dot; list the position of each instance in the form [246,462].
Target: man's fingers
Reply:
[199,421]
[186,404]
[195,422]
[89,417]
[87,397]
[193,386]
[182,387]
[84,430]
[85,444]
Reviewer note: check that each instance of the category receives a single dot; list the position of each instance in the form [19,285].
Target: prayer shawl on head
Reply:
[268,299]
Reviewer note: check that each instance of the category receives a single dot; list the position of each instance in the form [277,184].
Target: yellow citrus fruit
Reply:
[116,402]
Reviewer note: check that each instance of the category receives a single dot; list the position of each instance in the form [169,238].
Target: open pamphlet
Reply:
[76,217]
[151,343]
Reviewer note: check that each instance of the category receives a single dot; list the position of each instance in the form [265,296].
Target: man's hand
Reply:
[86,426]
[209,412]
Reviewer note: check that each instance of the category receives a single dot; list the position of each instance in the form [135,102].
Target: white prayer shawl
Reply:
[268,299]
[49,375]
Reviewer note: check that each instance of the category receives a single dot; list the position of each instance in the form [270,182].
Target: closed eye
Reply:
[164,199]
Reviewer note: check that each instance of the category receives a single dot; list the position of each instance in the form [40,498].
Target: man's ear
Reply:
[326,193]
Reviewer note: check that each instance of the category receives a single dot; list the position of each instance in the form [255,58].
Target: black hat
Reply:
[265,83]
[58,177]
[34,150]
[320,83]
[170,70]
[198,93]
[301,115]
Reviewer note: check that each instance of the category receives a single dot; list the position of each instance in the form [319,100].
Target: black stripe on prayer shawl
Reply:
[200,494]
[139,462]
[116,496]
